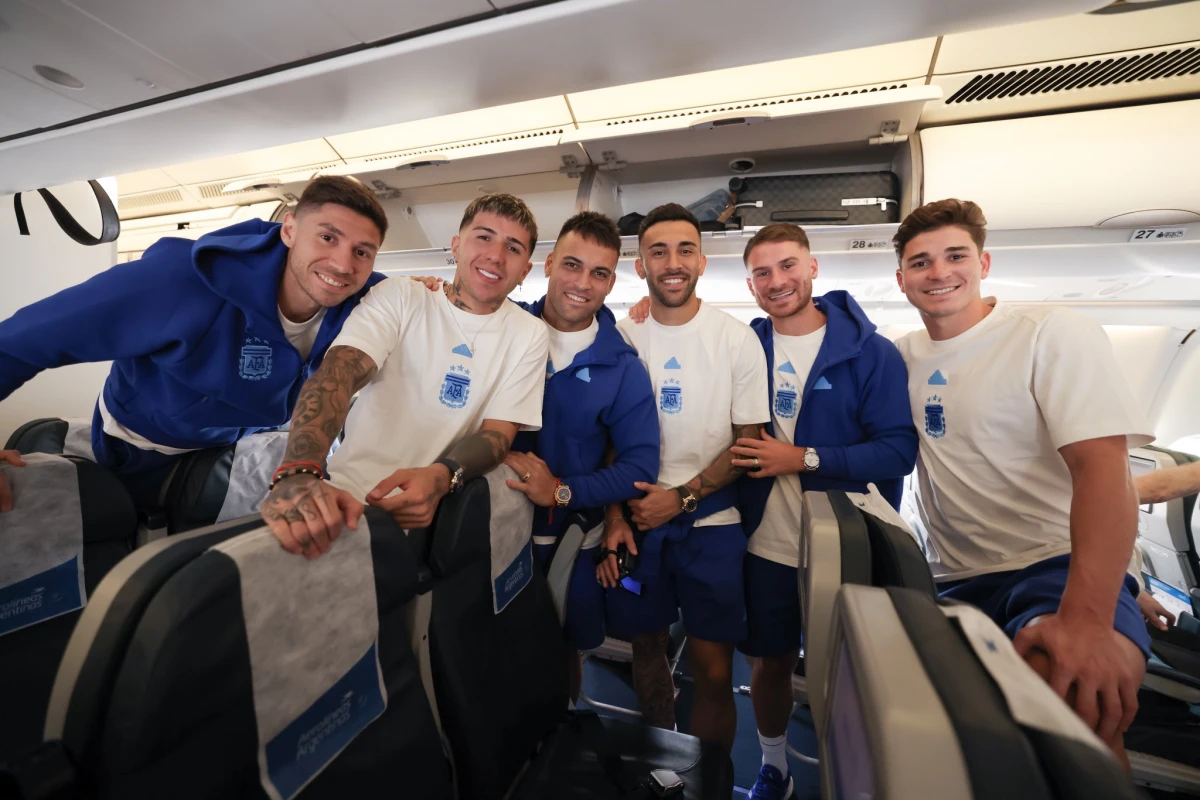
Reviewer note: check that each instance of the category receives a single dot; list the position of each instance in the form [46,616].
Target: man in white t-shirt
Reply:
[709,374]
[447,379]
[1025,503]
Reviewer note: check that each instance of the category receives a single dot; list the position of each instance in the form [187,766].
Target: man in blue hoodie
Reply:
[597,393]
[839,420]
[210,340]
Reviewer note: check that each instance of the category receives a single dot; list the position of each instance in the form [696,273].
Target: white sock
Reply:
[775,752]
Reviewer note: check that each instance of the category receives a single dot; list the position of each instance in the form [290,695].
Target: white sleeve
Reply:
[1079,386]
[519,399]
[375,325]
[750,403]
[625,327]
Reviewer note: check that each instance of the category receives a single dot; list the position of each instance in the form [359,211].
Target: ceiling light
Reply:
[144,82]
[57,76]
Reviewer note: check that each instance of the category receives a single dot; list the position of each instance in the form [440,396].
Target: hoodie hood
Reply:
[233,263]
[609,345]
[847,330]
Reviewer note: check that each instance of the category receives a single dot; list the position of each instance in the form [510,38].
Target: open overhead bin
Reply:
[874,114]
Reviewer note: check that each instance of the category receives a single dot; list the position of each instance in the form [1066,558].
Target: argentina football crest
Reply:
[456,387]
[670,396]
[785,400]
[935,417]
[255,362]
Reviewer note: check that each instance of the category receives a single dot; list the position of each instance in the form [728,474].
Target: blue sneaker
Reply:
[771,785]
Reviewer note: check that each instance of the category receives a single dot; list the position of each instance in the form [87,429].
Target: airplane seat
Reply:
[1165,533]
[222,483]
[848,538]
[45,435]
[929,700]
[30,655]
[501,686]
[158,695]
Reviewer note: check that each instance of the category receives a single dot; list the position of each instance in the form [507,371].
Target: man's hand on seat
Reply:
[536,481]
[306,514]
[421,491]
[616,533]
[1154,612]
[6,499]
[1095,661]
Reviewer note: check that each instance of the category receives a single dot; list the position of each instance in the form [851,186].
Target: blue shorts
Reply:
[772,608]
[702,577]
[1014,599]
[584,624]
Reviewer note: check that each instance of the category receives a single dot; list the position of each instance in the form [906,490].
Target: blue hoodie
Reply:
[604,395]
[192,328]
[861,426]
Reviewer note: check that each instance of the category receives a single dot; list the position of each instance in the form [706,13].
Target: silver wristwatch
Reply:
[812,461]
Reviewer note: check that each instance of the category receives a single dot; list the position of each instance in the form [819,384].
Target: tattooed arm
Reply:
[303,511]
[424,487]
[660,506]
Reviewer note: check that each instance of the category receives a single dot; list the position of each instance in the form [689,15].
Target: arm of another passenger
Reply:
[14,458]
[1162,485]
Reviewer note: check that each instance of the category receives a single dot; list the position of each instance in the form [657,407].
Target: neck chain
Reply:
[470,342]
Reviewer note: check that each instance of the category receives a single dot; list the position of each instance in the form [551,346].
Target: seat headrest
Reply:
[196,490]
[45,435]
[461,530]
[107,509]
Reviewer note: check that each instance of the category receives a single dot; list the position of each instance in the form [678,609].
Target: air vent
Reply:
[130,202]
[210,191]
[774,101]
[1113,70]
[461,145]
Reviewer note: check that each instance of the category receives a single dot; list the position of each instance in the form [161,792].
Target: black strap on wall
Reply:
[110,223]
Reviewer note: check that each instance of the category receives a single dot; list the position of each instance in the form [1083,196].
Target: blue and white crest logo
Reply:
[670,398]
[785,401]
[456,388]
[255,364]
[935,417]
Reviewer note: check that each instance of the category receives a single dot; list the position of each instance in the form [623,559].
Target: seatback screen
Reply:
[847,745]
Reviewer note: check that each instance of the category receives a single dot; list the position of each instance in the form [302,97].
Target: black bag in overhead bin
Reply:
[834,198]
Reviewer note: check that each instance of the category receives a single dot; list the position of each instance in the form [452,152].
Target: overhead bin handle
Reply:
[730,119]
[110,222]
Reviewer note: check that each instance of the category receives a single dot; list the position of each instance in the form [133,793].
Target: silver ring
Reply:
[756,464]
[525,477]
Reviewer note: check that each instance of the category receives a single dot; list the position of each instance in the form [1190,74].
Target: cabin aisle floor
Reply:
[609,683]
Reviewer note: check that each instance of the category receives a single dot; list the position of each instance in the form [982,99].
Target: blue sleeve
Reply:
[632,422]
[122,312]
[886,418]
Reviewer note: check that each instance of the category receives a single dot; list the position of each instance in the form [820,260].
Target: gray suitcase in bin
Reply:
[818,199]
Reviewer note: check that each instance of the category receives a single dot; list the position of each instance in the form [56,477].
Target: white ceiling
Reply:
[533,53]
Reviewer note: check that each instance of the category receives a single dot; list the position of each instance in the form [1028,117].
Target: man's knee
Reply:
[712,664]
[777,667]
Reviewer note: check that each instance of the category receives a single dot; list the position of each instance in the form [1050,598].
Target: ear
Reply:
[525,273]
[703,264]
[287,232]
[612,281]
[549,263]
[750,286]
[637,267]
[900,279]
[985,261]
[454,240]
[814,269]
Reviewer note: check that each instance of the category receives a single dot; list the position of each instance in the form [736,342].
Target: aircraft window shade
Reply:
[999,760]
[848,747]
[856,542]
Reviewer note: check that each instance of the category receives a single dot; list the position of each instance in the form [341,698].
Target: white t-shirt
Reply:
[431,389]
[709,375]
[565,346]
[778,535]
[302,335]
[992,407]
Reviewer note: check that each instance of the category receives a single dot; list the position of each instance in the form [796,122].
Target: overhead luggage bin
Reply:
[877,113]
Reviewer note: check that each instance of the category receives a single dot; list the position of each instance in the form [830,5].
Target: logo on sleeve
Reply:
[938,379]
[785,401]
[456,388]
[935,417]
[670,397]
[255,364]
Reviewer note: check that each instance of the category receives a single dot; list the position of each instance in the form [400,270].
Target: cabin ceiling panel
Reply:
[453,70]
[254,162]
[27,103]
[372,20]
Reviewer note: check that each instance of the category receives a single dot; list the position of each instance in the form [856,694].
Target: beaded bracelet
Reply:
[287,472]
